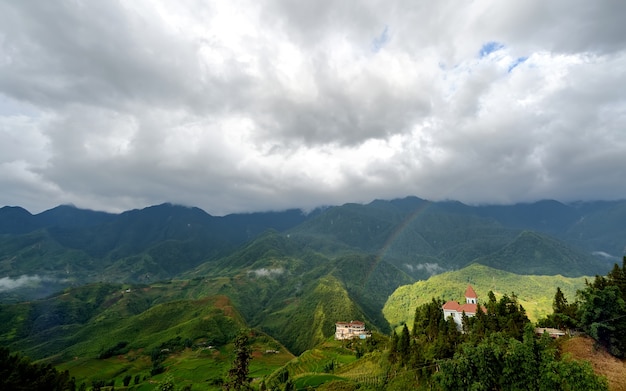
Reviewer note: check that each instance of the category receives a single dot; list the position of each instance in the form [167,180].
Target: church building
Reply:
[455,310]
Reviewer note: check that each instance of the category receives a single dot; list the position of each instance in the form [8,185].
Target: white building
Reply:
[349,330]
[456,310]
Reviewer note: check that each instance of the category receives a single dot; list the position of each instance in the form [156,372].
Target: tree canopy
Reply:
[602,310]
[18,372]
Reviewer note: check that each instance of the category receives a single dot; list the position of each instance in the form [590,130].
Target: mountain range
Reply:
[289,274]
[419,237]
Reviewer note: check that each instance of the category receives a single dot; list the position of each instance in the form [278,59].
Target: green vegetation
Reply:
[347,363]
[327,357]
[498,362]
[295,294]
[291,277]
[497,349]
[537,253]
[238,373]
[602,310]
[20,373]
[535,293]
[564,315]
[67,246]
[103,331]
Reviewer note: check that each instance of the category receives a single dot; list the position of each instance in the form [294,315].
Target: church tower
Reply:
[470,295]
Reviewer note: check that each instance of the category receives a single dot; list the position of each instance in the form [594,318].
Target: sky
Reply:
[238,106]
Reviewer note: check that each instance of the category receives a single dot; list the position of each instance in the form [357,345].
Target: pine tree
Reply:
[564,314]
[405,345]
[393,348]
[238,373]
[559,304]
[603,316]
[289,386]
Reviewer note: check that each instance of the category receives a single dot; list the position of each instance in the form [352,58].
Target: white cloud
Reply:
[268,272]
[9,284]
[428,267]
[239,106]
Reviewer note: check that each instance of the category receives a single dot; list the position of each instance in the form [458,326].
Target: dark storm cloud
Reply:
[247,106]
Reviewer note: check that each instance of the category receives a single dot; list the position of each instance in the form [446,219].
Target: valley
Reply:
[169,287]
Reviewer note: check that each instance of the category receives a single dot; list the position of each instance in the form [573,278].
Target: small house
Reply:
[349,330]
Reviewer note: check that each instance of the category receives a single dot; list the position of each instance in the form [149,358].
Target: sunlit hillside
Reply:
[535,293]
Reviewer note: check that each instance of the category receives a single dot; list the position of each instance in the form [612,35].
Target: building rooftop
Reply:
[469,292]
[455,306]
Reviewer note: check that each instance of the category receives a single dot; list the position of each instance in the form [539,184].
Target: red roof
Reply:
[469,292]
[468,308]
[451,305]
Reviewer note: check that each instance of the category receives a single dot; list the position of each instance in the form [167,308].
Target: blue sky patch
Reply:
[517,62]
[380,41]
[489,48]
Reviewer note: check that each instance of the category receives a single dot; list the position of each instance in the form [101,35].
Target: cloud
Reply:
[9,284]
[244,106]
[430,268]
[267,272]
[605,255]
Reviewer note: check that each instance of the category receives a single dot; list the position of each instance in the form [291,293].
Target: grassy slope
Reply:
[286,289]
[535,293]
[334,364]
[199,366]
[73,328]
[309,368]
[583,348]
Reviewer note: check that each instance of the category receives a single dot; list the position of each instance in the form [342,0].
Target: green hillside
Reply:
[287,276]
[67,246]
[286,289]
[535,253]
[535,293]
[353,364]
[423,238]
[295,300]
[106,331]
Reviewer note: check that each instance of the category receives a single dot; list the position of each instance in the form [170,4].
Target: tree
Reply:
[167,384]
[603,317]
[19,373]
[501,362]
[564,314]
[428,320]
[393,348]
[404,346]
[617,277]
[238,373]
[559,304]
[602,310]
[97,384]
[289,386]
